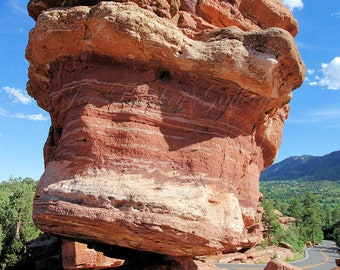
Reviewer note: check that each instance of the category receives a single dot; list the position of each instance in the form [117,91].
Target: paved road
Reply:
[318,258]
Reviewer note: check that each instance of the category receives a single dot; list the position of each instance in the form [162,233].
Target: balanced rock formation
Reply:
[164,114]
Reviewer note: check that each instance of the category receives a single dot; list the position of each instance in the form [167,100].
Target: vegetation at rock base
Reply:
[16,223]
[314,204]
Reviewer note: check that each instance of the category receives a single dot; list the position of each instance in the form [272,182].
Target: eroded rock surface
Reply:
[193,16]
[159,133]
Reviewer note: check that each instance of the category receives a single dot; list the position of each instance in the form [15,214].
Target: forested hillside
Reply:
[314,204]
[308,168]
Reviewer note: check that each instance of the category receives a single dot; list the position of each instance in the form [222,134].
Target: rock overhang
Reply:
[256,60]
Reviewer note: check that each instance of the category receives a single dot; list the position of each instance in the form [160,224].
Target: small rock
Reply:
[278,264]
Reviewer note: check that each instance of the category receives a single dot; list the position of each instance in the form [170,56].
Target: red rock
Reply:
[285,222]
[309,244]
[337,261]
[233,257]
[77,255]
[254,255]
[259,255]
[278,213]
[286,245]
[158,139]
[45,253]
[269,13]
[277,264]
[245,14]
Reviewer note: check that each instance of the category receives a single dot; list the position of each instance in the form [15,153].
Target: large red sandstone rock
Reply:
[158,139]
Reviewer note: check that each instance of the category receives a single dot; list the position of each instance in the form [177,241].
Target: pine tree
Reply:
[312,219]
[296,210]
[271,223]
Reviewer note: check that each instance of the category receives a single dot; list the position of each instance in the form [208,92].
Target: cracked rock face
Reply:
[163,116]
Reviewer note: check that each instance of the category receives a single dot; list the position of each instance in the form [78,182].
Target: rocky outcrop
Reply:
[285,221]
[162,120]
[278,264]
[193,16]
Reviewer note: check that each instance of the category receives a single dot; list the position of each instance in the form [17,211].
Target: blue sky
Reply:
[313,126]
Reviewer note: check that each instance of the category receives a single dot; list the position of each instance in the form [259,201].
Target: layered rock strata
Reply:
[159,134]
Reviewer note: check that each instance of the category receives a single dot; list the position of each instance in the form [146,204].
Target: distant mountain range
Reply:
[306,167]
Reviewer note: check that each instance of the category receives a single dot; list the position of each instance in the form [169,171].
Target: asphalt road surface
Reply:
[318,258]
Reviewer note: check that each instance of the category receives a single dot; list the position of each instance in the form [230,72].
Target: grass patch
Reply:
[297,256]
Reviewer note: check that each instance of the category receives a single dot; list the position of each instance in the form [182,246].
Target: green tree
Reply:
[312,219]
[334,229]
[327,216]
[317,213]
[296,210]
[336,215]
[17,228]
[336,233]
[271,223]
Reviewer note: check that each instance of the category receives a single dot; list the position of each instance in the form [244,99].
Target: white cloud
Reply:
[336,14]
[33,117]
[321,115]
[3,112]
[293,4]
[330,77]
[17,95]
[310,71]
[329,113]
